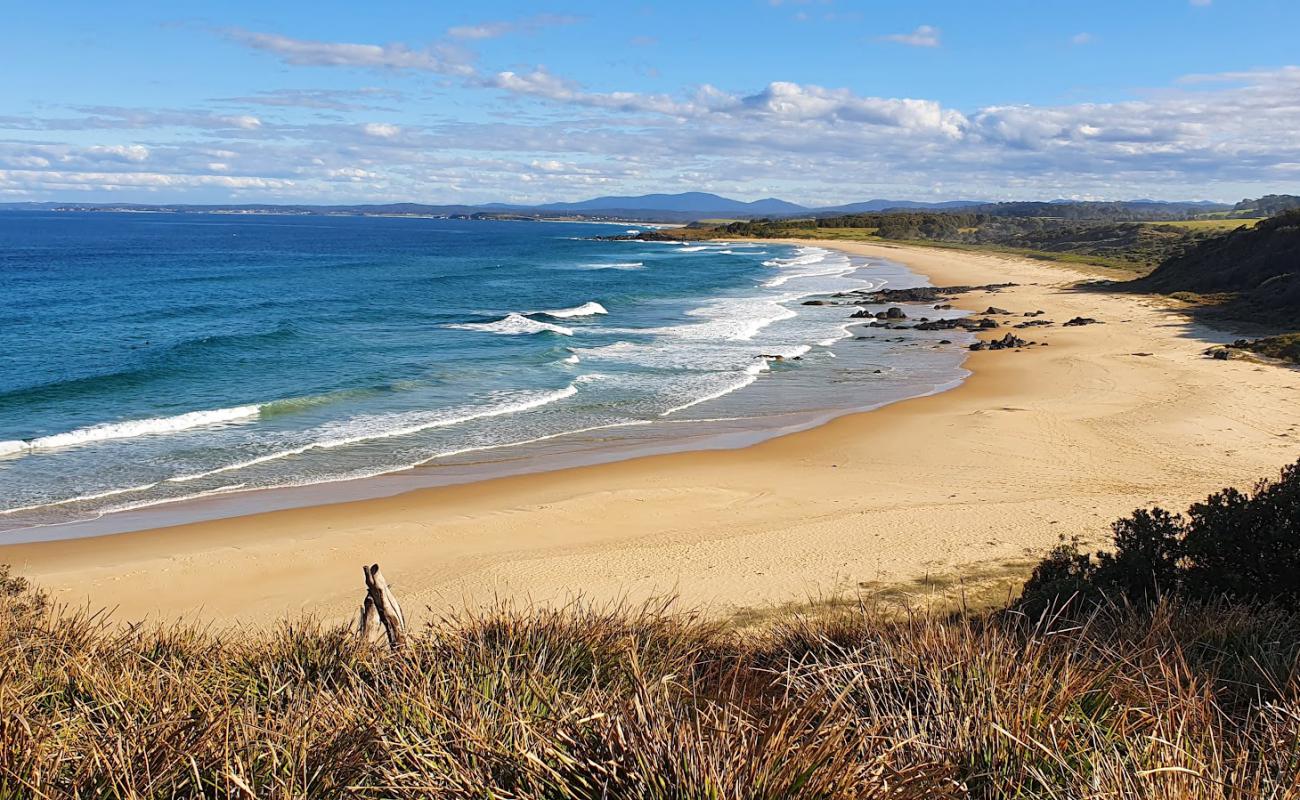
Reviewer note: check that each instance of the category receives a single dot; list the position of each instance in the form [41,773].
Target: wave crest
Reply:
[130,429]
[513,325]
[585,310]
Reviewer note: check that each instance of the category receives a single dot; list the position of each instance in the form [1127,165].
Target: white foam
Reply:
[733,319]
[584,310]
[513,325]
[357,476]
[693,249]
[825,263]
[750,375]
[130,429]
[79,499]
[573,359]
[388,426]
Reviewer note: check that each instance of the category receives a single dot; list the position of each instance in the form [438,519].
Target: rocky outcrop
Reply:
[1008,342]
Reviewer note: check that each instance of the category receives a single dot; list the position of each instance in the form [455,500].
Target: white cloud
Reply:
[305,52]
[130,153]
[381,130]
[1207,135]
[1082,38]
[1201,3]
[923,36]
[492,30]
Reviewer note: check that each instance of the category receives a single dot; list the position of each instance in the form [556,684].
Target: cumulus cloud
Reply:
[923,36]
[1082,38]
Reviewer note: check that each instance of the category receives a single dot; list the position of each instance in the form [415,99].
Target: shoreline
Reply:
[1035,443]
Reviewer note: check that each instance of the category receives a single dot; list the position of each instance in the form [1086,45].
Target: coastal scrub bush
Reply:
[1235,545]
[1181,699]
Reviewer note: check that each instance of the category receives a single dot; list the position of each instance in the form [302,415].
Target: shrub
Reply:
[1239,546]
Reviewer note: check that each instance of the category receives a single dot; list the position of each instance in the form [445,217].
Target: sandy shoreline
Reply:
[1039,443]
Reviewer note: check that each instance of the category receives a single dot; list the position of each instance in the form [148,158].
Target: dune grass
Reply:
[1193,701]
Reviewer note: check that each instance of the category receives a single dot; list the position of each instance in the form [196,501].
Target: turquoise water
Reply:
[150,359]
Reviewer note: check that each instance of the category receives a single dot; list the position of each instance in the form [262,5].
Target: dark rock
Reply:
[895,313]
[945,341]
[923,294]
[1007,342]
[1037,313]
[1077,321]
[1035,323]
[861,314]
[996,310]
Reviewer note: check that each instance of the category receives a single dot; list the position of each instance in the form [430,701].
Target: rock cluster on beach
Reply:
[1007,342]
[939,298]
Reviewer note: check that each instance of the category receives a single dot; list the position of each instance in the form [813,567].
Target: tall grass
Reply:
[1194,701]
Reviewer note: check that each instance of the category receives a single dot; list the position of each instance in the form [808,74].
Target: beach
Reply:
[1037,444]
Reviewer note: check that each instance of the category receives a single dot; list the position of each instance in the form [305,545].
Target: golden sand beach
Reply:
[1036,444]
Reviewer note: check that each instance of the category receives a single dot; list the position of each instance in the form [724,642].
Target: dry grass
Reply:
[587,702]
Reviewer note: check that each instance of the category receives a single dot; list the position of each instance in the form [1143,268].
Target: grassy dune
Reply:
[1193,701]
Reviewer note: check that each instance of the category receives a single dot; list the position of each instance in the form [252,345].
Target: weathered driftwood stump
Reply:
[381,603]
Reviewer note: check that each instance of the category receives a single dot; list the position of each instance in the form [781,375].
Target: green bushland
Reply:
[1254,271]
[1239,546]
[1285,347]
[1169,668]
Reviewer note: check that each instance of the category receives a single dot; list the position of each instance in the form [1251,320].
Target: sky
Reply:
[815,101]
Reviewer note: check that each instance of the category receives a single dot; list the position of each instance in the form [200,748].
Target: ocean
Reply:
[151,364]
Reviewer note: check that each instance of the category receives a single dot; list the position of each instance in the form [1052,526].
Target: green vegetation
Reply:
[1285,347]
[1256,271]
[1268,205]
[1239,546]
[1189,689]
[1215,223]
[1130,246]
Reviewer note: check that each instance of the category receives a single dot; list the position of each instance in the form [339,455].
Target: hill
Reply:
[700,202]
[1258,267]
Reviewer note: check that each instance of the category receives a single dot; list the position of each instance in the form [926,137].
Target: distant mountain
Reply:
[870,206]
[698,202]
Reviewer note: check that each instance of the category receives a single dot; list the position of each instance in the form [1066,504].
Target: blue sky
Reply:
[816,101]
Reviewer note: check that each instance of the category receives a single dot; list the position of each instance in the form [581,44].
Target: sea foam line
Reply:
[444,422]
[356,476]
[79,499]
[130,429]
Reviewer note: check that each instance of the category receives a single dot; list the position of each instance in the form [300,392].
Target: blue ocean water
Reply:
[147,359]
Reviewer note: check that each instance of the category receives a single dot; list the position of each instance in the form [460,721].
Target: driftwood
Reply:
[381,603]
